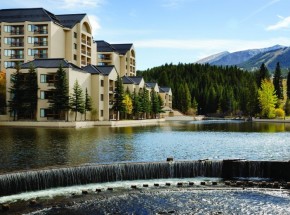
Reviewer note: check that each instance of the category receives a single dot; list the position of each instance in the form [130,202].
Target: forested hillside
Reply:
[208,89]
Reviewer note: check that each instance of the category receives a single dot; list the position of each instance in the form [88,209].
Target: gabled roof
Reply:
[104,70]
[103,46]
[122,48]
[70,20]
[27,14]
[164,89]
[151,85]
[50,63]
[132,80]
[39,15]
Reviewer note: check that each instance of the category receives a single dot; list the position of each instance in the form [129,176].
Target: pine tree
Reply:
[160,105]
[145,102]
[118,98]
[278,82]
[263,73]
[88,103]
[136,105]
[2,93]
[154,103]
[77,103]
[16,91]
[31,97]
[288,84]
[59,102]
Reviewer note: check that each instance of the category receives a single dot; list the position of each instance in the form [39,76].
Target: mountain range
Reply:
[252,59]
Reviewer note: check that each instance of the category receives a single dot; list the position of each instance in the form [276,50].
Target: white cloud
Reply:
[73,4]
[283,23]
[173,3]
[94,20]
[211,45]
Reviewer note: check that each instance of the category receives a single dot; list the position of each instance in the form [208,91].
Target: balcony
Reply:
[84,52]
[83,62]
[41,43]
[41,31]
[17,56]
[84,41]
[40,56]
[17,32]
[17,44]
[89,43]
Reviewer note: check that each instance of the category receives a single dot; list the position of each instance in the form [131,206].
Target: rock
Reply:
[227,183]
[133,186]
[145,185]
[288,185]
[179,184]
[110,188]
[33,202]
[98,190]
[170,159]
[191,183]
[156,185]
[276,184]
[167,184]
[214,183]
[85,192]
[239,183]
[5,207]
[202,183]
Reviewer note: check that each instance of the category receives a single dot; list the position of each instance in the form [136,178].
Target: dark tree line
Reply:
[213,89]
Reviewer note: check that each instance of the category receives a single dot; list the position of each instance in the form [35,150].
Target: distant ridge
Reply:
[252,59]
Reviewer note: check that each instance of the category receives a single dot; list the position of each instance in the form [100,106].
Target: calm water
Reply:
[31,148]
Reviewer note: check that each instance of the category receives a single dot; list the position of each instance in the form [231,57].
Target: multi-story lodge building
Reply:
[37,37]
[35,33]
[122,56]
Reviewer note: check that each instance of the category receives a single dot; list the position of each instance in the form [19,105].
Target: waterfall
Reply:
[13,183]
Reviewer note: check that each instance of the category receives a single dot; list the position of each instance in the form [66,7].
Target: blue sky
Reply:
[165,31]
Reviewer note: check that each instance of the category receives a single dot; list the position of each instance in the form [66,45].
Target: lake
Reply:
[33,148]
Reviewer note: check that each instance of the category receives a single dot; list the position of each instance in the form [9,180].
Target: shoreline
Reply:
[82,124]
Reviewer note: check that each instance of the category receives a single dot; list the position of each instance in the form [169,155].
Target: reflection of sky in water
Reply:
[26,148]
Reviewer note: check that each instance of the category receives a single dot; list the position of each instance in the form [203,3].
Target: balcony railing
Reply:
[84,52]
[17,44]
[83,62]
[36,56]
[17,56]
[20,32]
[41,31]
[84,41]
[111,88]
[89,43]
[42,43]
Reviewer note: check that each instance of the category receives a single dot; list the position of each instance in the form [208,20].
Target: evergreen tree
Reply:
[278,82]
[136,105]
[263,73]
[2,93]
[160,105]
[59,102]
[16,91]
[145,102]
[77,103]
[31,90]
[288,84]
[88,103]
[119,97]
[267,99]
[154,103]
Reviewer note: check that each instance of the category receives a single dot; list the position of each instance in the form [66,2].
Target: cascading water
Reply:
[43,179]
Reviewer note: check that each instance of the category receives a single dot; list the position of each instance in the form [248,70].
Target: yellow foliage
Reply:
[128,104]
[280,113]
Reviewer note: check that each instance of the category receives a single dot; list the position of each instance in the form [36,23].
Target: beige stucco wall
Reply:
[56,41]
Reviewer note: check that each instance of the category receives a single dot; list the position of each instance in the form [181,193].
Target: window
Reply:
[30,28]
[8,64]
[75,35]
[42,94]
[30,40]
[42,112]
[102,83]
[8,52]
[8,40]
[43,78]
[75,46]
[7,28]
[102,113]
[102,97]
[75,57]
